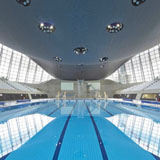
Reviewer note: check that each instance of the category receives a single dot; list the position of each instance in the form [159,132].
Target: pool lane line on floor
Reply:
[53,111]
[101,145]
[31,112]
[107,111]
[4,157]
[104,109]
[156,157]
[41,109]
[59,144]
[123,110]
[57,108]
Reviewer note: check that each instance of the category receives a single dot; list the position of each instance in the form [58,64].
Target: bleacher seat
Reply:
[5,86]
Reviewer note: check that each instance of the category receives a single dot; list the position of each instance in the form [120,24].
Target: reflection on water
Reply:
[145,132]
[17,131]
[66,110]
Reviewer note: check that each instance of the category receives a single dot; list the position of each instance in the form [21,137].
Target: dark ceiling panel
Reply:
[80,23]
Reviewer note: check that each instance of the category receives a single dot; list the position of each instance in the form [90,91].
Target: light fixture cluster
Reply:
[115,27]
[137,2]
[103,59]
[57,59]
[47,27]
[80,50]
[24,2]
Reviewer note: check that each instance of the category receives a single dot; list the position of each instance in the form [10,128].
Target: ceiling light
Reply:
[103,59]
[80,50]
[137,2]
[114,27]
[57,59]
[101,66]
[47,27]
[80,65]
[24,2]
[41,24]
[51,27]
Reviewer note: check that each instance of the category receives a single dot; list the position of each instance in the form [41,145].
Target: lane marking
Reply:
[4,157]
[101,145]
[53,111]
[107,111]
[56,153]
[104,109]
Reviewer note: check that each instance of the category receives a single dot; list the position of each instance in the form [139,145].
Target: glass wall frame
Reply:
[145,66]
[15,66]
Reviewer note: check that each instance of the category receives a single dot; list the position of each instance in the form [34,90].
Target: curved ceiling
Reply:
[80,23]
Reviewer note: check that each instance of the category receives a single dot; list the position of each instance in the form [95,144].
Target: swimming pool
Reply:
[73,130]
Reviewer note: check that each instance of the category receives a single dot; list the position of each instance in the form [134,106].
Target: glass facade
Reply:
[17,131]
[143,131]
[145,66]
[16,66]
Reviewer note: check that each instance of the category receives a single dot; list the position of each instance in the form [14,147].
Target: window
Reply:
[145,66]
[94,86]
[67,86]
[15,66]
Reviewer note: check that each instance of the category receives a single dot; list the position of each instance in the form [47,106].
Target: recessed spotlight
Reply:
[80,65]
[24,2]
[137,2]
[103,59]
[80,50]
[114,27]
[57,59]
[46,27]
[59,66]
[101,66]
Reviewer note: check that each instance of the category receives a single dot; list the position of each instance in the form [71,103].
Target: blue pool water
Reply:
[74,130]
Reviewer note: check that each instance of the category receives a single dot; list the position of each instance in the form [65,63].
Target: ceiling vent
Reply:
[47,27]
[137,2]
[80,50]
[24,2]
[115,27]
[57,59]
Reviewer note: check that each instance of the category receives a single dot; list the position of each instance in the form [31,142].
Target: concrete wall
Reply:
[52,87]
